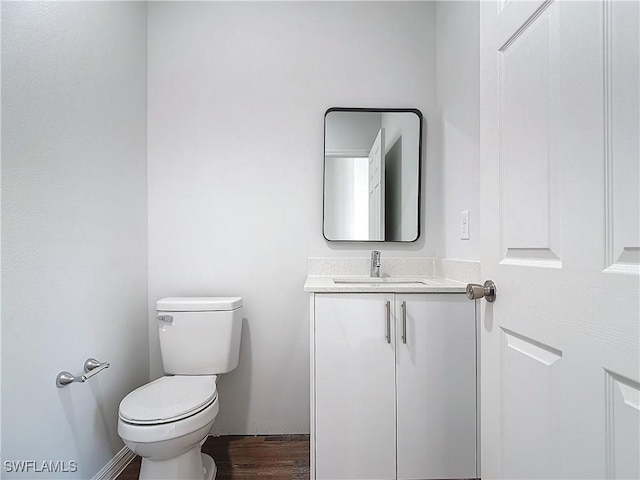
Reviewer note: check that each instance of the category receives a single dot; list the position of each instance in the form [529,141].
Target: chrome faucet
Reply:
[375,263]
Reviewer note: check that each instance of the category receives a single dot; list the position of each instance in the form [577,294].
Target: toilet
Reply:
[166,421]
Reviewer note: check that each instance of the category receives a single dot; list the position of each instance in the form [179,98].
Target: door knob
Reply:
[476,291]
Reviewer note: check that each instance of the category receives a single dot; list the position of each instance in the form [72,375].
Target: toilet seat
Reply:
[161,433]
[168,399]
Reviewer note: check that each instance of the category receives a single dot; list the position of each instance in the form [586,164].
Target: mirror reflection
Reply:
[372,174]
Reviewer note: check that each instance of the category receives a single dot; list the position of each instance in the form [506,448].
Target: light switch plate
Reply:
[464,225]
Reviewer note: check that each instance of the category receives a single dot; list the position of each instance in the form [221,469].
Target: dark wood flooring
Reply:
[282,457]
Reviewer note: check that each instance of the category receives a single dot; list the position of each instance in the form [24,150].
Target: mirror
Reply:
[372,164]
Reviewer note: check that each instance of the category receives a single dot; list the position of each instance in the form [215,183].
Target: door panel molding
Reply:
[621,23]
[531,348]
[526,24]
[622,406]
[529,390]
[529,165]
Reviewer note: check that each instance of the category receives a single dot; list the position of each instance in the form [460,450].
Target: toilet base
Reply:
[191,465]
[210,468]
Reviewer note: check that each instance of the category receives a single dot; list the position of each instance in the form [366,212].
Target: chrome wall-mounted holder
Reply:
[91,367]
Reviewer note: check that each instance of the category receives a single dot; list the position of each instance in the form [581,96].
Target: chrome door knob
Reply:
[476,291]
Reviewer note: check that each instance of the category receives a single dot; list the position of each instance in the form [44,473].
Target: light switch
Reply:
[464,225]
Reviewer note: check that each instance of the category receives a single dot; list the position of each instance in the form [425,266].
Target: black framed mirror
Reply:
[372,171]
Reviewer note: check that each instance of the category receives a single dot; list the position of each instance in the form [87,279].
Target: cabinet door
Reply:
[354,387]
[436,387]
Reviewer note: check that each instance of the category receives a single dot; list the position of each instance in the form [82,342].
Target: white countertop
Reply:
[360,284]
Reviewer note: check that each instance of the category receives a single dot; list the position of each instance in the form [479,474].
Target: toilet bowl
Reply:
[167,420]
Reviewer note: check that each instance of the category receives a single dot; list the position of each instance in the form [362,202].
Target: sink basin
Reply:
[381,280]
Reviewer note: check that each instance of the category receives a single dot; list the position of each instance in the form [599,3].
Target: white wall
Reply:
[237,96]
[74,230]
[458,92]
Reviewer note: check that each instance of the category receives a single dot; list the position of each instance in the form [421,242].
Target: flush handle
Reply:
[476,291]
[165,318]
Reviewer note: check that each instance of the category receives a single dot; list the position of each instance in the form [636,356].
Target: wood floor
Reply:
[284,457]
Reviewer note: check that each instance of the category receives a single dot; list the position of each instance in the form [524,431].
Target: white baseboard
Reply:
[116,465]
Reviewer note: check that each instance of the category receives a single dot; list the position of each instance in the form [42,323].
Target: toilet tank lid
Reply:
[198,304]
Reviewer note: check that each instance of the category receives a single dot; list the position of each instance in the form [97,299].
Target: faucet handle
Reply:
[375,257]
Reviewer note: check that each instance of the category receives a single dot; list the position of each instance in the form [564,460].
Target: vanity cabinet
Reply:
[355,431]
[393,386]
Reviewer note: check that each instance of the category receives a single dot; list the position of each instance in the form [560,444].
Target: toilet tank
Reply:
[199,335]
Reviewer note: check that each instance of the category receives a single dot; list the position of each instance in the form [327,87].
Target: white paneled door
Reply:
[560,213]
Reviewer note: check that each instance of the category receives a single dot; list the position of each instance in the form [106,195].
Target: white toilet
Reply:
[167,420]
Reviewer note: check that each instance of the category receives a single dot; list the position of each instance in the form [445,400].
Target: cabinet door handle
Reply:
[388,323]
[404,322]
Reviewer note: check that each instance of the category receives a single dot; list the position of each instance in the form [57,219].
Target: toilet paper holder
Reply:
[91,367]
